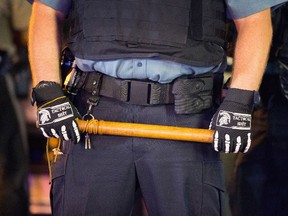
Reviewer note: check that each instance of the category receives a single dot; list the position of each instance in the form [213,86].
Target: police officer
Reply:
[148,62]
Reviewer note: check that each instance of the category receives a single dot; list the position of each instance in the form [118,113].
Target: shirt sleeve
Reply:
[60,5]
[237,9]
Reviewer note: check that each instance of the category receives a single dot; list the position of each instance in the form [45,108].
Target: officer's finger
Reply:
[64,133]
[248,143]
[227,143]
[216,141]
[238,144]
[75,134]
[54,133]
[44,133]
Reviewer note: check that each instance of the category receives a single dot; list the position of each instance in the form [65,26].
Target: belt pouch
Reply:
[193,95]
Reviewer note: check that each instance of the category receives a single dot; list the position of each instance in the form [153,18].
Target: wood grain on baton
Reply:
[146,130]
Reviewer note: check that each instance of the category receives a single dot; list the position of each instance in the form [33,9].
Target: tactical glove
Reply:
[56,113]
[232,122]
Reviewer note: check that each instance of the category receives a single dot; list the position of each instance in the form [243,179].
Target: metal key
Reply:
[87,141]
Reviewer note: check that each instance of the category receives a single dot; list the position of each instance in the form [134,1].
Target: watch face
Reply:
[257,98]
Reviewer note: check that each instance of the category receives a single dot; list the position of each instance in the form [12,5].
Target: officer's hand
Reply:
[56,113]
[232,122]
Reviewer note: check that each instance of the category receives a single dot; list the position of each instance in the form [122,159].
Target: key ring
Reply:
[87,117]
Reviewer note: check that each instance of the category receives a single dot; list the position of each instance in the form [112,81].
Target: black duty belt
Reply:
[190,94]
[130,91]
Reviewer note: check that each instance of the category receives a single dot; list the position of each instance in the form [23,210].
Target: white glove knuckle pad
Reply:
[248,142]
[216,141]
[64,132]
[227,143]
[54,133]
[44,133]
[238,144]
[76,130]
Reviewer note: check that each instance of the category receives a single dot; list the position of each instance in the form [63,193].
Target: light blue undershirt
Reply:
[161,71]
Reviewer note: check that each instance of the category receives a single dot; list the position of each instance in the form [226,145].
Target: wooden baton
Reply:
[145,130]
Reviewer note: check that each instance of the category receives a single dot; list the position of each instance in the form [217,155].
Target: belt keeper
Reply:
[95,90]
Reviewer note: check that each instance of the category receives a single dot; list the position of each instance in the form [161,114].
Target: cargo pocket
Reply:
[213,189]
[57,187]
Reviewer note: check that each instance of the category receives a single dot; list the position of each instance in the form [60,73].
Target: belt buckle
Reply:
[139,92]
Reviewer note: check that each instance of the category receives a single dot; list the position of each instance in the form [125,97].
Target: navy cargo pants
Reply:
[176,178]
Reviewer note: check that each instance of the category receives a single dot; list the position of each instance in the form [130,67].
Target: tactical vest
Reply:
[186,31]
[279,47]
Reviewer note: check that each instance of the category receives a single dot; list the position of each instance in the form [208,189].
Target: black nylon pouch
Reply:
[193,95]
